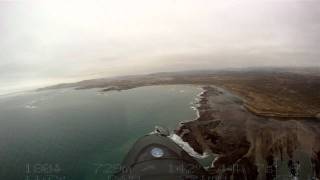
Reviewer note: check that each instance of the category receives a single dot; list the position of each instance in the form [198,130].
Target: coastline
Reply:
[195,105]
[239,138]
[189,131]
[286,95]
[184,143]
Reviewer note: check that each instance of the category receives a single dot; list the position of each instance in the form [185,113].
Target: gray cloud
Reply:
[46,42]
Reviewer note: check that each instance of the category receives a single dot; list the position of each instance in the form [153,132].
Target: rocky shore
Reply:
[249,146]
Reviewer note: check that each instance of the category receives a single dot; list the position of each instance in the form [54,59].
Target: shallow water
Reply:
[83,134]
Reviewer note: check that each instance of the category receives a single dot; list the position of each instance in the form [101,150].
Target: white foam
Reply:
[31,107]
[215,159]
[186,146]
[194,105]
[193,108]
[36,102]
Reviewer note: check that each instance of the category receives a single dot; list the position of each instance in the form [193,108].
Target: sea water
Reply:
[83,134]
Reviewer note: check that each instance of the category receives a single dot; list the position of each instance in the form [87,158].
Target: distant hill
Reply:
[272,92]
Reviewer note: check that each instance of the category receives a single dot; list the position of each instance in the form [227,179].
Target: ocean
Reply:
[68,134]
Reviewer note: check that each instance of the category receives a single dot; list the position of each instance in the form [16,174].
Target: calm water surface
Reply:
[82,134]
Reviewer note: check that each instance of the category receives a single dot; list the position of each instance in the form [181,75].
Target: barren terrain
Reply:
[281,93]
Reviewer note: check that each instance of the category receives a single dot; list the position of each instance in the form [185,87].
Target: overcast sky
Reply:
[46,42]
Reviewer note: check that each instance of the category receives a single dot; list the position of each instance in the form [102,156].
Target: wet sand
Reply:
[250,146]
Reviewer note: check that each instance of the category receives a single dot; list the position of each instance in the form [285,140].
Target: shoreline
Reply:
[203,97]
[199,97]
[177,137]
[187,129]
[268,93]
[195,105]
[225,128]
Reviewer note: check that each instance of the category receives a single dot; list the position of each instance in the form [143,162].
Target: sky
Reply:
[46,42]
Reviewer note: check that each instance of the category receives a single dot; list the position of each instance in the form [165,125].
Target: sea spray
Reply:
[186,146]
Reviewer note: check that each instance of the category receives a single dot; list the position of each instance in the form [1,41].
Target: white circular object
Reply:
[157,152]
